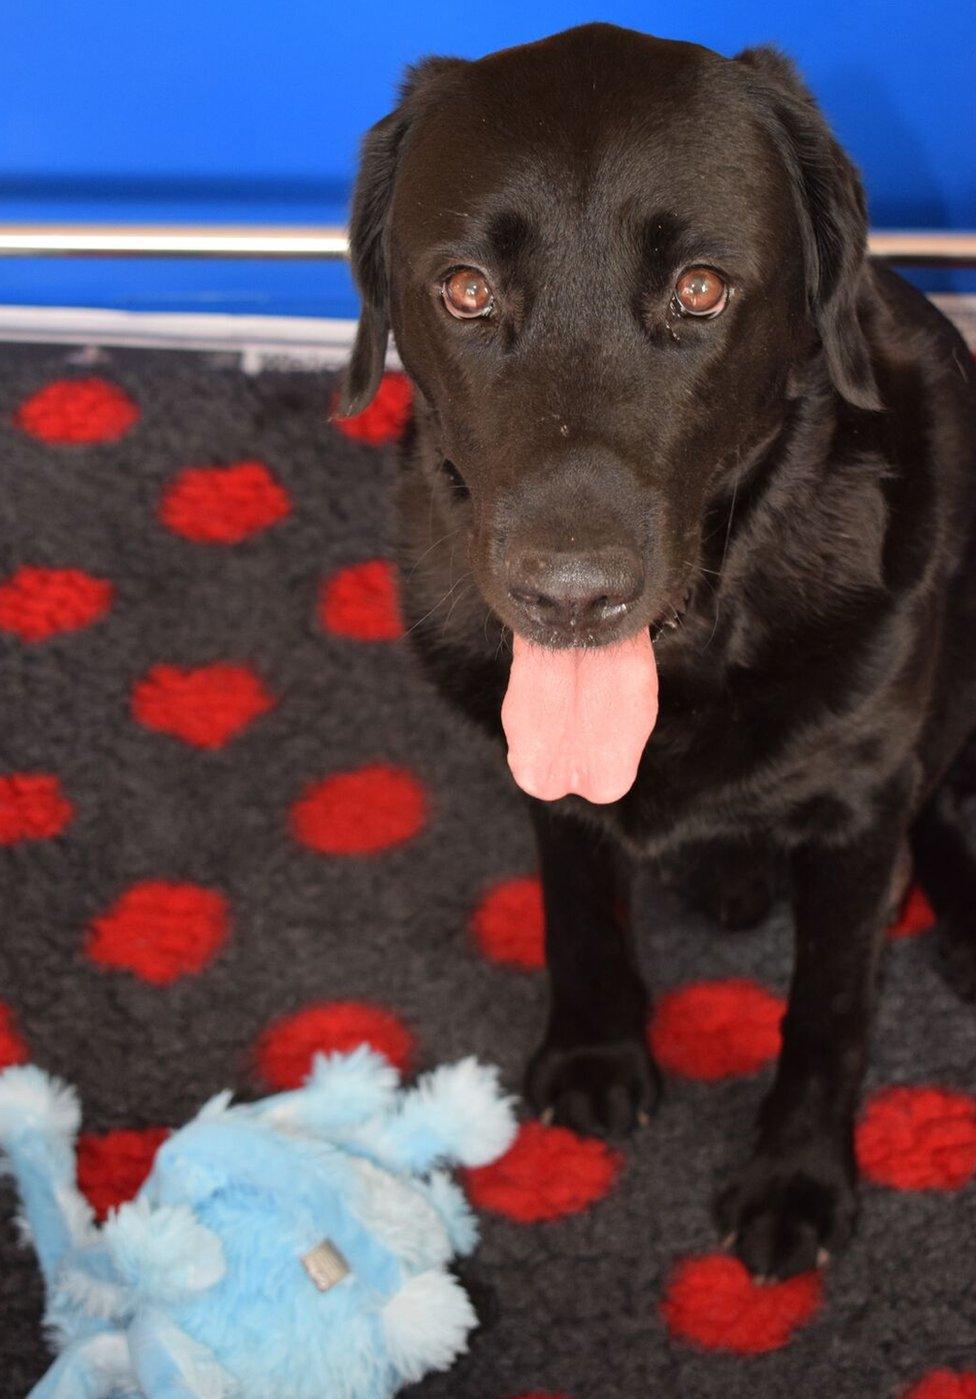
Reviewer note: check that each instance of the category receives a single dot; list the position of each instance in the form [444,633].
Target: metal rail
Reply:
[939,249]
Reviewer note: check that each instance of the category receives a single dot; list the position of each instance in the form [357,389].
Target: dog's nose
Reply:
[561,588]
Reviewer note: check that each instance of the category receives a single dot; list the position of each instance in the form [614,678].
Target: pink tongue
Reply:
[577,720]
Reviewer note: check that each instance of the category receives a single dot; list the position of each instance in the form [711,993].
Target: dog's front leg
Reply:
[592,1071]
[794,1202]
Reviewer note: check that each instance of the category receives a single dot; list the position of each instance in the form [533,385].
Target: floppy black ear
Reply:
[833,221]
[367,253]
[373,193]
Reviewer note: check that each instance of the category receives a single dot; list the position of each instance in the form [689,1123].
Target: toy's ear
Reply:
[831,207]
[369,229]
[426,1324]
[341,1091]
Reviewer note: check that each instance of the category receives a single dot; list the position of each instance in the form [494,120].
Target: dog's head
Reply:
[609,262]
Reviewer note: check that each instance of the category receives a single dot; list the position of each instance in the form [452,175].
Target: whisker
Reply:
[419,560]
[440,602]
[457,599]
[725,550]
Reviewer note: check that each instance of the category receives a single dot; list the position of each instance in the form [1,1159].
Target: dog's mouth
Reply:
[670,620]
[577,719]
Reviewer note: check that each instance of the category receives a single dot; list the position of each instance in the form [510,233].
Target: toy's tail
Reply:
[39,1118]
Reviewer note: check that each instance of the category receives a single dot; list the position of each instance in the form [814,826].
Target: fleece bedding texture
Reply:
[237,826]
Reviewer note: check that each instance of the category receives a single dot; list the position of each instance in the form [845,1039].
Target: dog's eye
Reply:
[467,294]
[701,292]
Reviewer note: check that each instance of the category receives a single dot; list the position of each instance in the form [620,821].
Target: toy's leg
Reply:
[39,1118]
[88,1370]
[169,1364]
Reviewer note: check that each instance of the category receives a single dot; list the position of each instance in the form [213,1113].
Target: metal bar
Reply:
[910,248]
[946,249]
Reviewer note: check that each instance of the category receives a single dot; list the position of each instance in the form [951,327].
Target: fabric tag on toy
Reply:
[325,1265]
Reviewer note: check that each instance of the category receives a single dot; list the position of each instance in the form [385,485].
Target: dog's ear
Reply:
[367,254]
[373,193]
[833,221]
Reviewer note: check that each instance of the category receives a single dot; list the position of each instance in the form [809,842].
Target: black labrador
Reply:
[662,397]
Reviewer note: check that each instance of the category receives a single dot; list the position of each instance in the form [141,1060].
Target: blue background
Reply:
[251,110]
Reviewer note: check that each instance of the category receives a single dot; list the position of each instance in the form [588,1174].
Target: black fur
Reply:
[799,479]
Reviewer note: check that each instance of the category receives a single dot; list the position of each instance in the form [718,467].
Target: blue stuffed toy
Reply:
[292,1247]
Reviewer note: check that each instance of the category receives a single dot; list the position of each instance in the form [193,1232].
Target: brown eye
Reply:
[701,292]
[467,294]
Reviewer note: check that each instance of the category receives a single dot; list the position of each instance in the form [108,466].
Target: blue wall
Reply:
[252,109]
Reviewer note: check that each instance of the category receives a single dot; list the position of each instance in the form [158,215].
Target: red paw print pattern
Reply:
[13,1049]
[160,930]
[113,1165]
[223,504]
[944,1384]
[205,707]
[916,915]
[509,923]
[547,1172]
[386,416]
[361,602]
[32,807]
[713,1302]
[37,603]
[360,812]
[283,1054]
[918,1138]
[70,411]
[716,1029]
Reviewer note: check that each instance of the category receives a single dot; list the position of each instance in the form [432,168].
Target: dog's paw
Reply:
[784,1217]
[599,1089]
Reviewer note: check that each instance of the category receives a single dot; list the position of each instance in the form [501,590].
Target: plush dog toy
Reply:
[292,1247]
